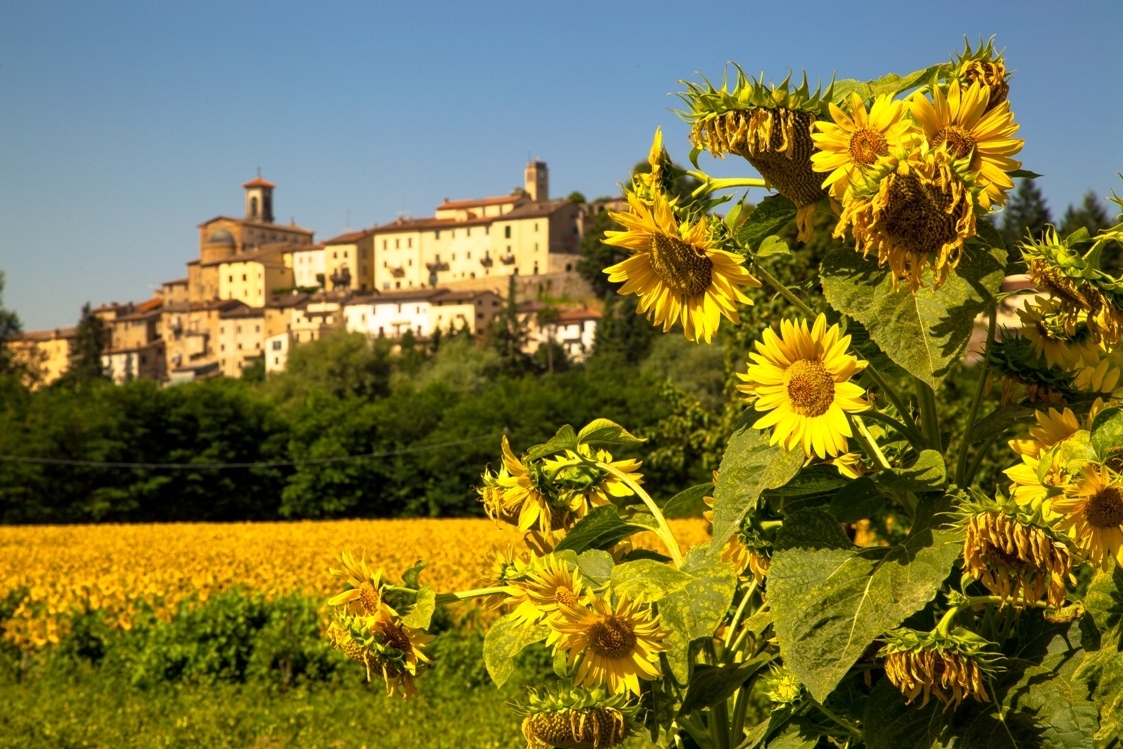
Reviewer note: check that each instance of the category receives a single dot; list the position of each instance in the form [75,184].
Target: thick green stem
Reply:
[726,652]
[930,421]
[914,437]
[709,184]
[842,722]
[785,292]
[980,393]
[665,533]
[869,442]
[972,469]
[463,595]
[740,707]
[719,724]
[891,393]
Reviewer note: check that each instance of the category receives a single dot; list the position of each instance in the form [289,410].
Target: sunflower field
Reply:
[863,586]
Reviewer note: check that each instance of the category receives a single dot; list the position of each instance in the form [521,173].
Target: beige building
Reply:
[421,311]
[241,338]
[308,268]
[45,354]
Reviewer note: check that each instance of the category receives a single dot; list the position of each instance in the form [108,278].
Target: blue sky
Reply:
[123,125]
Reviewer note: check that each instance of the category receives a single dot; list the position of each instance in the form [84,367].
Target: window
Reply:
[238,329]
[437,234]
[257,328]
[222,347]
[231,279]
[472,274]
[257,346]
[276,345]
[469,254]
[397,243]
[385,285]
[469,231]
[454,233]
[454,256]
[385,243]
[506,232]
[487,228]
[345,254]
[399,308]
[381,330]
[536,247]
[411,262]
[397,284]
[409,242]
[508,248]
[222,330]
[277,360]
[143,359]
[535,226]
[239,347]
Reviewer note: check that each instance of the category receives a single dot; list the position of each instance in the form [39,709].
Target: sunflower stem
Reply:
[867,441]
[842,722]
[928,417]
[709,184]
[980,393]
[719,724]
[740,707]
[665,533]
[737,619]
[893,396]
[978,460]
[463,595]
[784,291]
[912,436]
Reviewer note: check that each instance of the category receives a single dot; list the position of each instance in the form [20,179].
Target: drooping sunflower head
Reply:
[676,269]
[383,644]
[363,588]
[854,141]
[960,123]
[1014,558]
[521,494]
[617,645]
[802,379]
[949,667]
[769,126]
[507,566]
[986,66]
[1014,361]
[1062,340]
[575,719]
[1092,513]
[586,485]
[916,210]
[547,584]
[747,550]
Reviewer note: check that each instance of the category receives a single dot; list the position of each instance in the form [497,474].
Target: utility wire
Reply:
[266,464]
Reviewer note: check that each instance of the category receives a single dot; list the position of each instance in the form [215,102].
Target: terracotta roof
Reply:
[258,182]
[499,200]
[150,304]
[350,237]
[463,296]
[398,297]
[420,224]
[176,282]
[158,343]
[237,312]
[534,209]
[577,315]
[291,228]
[46,335]
[218,304]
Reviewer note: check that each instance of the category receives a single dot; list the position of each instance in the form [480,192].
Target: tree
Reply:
[85,364]
[9,328]
[507,335]
[1026,215]
[1090,215]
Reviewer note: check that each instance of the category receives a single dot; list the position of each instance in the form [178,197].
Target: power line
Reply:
[264,464]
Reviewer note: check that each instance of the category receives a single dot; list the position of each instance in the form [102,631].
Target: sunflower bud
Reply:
[782,687]
[950,667]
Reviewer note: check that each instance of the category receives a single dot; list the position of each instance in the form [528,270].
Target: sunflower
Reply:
[675,272]
[1048,331]
[1017,561]
[617,646]
[383,643]
[920,210]
[950,667]
[1092,509]
[519,494]
[544,586]
[855,142]
[1052,428]
[363,594]
[738,551]
[575,719]
[964,125]
[1102,379]
[802,379]
[506,567]
[592,486]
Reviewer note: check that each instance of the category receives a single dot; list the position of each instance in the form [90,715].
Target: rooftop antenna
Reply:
[259,172]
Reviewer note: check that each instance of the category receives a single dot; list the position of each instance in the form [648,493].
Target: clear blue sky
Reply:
[123,125]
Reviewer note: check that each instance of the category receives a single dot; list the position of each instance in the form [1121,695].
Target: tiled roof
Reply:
[498,200]
[350,237]
[39,336]
[258,182]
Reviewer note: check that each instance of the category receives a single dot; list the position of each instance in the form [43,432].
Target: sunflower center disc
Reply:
[680,266]
[960,143]
[393,635]
[566,596]
[866,145]
[612,638]
[810,388]
[918,214]
[369,598]
[1105,508]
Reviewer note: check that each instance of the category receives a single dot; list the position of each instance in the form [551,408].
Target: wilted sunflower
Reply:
[594,486]
[363,594]
[914,210]
[575,719]
[545,585]
[1013,361]
[1018,561]
[950,667]
[963,124]
[676,272]
[1101,378]
[1049,332]
[519,495]
[617,646]
[384,644]
[802,379]
[856,141]
[1092,510]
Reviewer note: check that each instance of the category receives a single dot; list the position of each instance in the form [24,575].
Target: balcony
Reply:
[486,260]
[436,265]
[508,259]
[398,272]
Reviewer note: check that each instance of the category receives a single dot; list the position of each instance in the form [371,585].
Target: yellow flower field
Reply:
[113,567]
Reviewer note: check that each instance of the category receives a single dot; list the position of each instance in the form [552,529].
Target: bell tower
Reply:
[259,200]
[537,182]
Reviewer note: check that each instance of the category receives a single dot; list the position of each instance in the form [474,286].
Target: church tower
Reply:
[259,200]
[537,181]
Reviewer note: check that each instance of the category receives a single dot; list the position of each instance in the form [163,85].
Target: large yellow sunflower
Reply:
[1044,327]
[363,588]
[857,141]
[963,124]
[802,379]
[675,272]
[1052,428]
[1092,509]
[617,646]
[543,587]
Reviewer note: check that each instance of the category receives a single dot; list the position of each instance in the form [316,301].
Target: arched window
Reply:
[253,207]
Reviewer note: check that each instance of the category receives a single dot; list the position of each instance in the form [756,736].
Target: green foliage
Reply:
[1026,215]
[85,364]
[9,327]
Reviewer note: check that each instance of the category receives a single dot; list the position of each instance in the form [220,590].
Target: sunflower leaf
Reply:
[750,465]
[712,684]
[773,245]
[421,614]
[770,215]
[927,332]
[686,499]
[605,433]
[695,610]
[998,422]
[831,599]
[858,500]
[600,529]
[565,439]
[1107,432]
[506,639]
[927,474]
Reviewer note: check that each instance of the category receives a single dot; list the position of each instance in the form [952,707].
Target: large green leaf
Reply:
[770,215]
[857,500]
[750,465]
[421,613]
[998,422]
[927,332]
[605,433]
[565,439]
[710,685]
[926,474]
[694,610]
[891,84]
[686,499]
[831,599]
[506,639]
[812,486]
[647,579]
[600,529]
[1107,432]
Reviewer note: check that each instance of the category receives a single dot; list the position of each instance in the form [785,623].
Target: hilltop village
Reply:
[259,288]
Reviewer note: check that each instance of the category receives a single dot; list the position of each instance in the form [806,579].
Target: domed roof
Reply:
[221,237]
